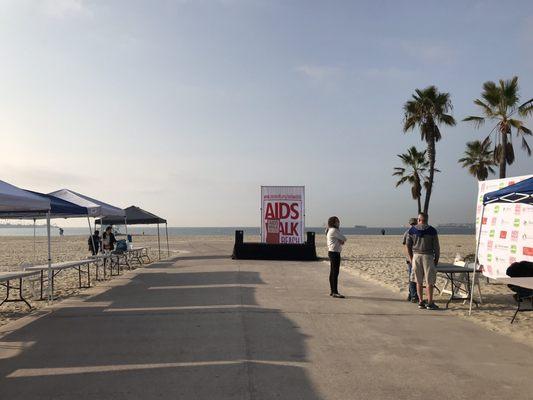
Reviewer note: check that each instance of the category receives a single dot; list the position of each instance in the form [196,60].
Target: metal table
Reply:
[450,271]
[5,281]
[58,267]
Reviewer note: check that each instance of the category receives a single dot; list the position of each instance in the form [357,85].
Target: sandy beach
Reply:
[377,258]
[380,259]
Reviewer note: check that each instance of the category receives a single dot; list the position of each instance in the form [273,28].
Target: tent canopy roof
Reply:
[134,216]
[61,208]
[95,208]
[521,192]
[14,200]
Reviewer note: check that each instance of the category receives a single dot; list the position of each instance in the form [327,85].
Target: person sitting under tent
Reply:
[94,243]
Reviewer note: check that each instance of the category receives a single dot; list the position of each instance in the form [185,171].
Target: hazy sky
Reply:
[186,107]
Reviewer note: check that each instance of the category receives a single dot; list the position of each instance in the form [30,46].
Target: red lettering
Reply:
[295,214]
[294,229]
[284,210]
[282,228]
[270,212]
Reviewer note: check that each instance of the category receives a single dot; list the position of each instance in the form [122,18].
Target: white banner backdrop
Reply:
[507,234]
[282,214]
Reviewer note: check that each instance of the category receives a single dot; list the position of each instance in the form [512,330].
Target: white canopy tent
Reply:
[95,208]
[16,201]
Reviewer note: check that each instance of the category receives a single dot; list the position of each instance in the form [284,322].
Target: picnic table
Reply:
[119,260]
[139,255]
[56,268]
[114,260]
[5,281]
[459,284]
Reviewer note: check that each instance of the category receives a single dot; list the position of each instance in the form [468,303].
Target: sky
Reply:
[187,107]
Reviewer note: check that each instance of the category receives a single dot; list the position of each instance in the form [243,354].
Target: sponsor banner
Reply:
[507,230]
[282,214]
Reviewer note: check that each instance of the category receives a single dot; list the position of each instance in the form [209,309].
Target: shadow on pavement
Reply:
[162,335]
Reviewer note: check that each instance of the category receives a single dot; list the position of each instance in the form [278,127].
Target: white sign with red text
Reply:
[507,230]
[282,214]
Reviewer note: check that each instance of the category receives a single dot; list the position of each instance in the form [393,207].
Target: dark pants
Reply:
[335,265]
[412,284]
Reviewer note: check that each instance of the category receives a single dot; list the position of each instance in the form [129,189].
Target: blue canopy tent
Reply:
[58,208]
[521,192]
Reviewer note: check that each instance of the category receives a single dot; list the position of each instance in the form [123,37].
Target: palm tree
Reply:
[413,171]
[478,159]
[428,109]
[498,104]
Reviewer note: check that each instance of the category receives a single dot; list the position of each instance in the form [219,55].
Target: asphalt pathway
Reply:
[203,326]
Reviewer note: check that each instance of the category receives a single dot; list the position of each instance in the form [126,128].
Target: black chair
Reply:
[522,269]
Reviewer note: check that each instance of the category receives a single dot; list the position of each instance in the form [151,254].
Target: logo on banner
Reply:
[282,214]
[506,231]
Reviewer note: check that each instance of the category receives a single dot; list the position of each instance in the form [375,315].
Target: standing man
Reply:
[424,252]
[412,296]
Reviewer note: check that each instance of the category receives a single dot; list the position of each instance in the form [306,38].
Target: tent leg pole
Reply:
[34,251]
[158,242]
[50,294]
[166,233]
[475,261]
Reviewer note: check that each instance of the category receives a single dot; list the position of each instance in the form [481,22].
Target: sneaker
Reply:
[432,306]
[338,296]
[422,305]
[414,300]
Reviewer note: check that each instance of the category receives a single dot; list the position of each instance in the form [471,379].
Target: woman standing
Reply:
[335,240]
[108,239]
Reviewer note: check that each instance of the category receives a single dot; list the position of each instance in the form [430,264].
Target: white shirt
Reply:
[334,239]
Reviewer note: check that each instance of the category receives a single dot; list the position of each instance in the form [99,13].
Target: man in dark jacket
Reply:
[412,296]
[424,252]
[94,243]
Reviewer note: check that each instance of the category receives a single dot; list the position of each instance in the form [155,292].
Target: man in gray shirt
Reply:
[424,252]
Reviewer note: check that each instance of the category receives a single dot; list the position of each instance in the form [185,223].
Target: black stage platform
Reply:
[265,251]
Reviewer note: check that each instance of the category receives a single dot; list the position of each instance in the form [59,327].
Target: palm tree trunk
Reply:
[503,156]
[419,204]
[431,159]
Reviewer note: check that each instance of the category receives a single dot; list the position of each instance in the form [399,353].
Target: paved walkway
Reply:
[202,326]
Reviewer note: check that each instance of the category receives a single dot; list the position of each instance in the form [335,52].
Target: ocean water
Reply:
[224,231]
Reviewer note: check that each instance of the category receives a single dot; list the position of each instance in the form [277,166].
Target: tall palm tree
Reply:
[427,110]
[413,171]
[478,159]
[498,104]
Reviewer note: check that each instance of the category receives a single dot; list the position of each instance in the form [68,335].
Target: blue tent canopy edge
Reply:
[521,192]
